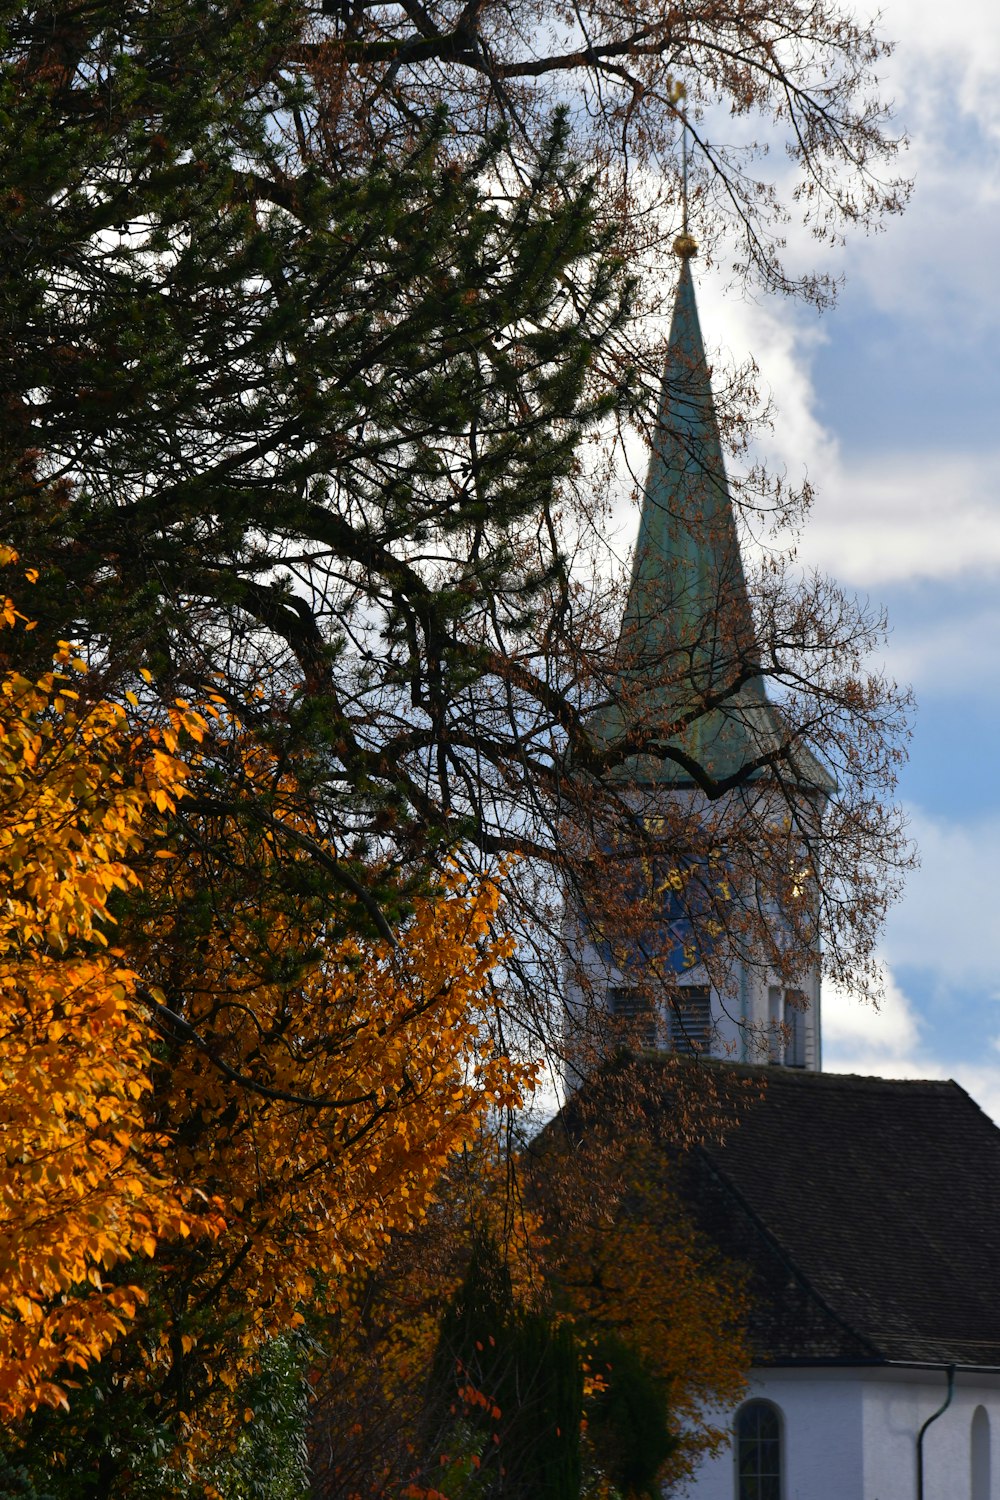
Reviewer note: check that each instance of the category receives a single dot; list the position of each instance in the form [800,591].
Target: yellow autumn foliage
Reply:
[319,1084]
[84,1185]
[275,1100]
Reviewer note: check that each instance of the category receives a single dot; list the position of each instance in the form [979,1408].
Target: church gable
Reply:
[868,1210]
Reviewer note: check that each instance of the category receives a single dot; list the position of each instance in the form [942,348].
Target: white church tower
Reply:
[690,689]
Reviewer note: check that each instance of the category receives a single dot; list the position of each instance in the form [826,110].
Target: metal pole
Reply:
[920,1436]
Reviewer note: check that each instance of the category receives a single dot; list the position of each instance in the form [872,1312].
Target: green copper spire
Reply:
[687,649]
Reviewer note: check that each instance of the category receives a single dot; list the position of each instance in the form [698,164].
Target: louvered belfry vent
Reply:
[633,1013]
[689,1019]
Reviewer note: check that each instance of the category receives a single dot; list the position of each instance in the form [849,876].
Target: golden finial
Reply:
[685,245]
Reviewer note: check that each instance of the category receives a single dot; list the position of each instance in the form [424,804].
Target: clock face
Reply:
[660,913]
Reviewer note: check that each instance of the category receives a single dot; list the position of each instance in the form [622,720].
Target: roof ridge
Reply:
[808,1076]
[832,1076]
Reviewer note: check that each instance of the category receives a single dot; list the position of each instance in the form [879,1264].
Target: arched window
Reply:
[980,1454]
[758,1452]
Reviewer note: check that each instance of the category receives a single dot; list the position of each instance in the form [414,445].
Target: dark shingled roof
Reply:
[866,1209]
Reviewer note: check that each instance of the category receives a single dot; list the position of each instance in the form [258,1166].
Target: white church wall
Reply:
[850,1434]
[821,1426]
[896,1407]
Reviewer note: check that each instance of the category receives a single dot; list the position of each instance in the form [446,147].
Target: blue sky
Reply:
[891,404]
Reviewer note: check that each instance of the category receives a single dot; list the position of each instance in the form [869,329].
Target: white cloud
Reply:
[951,50]
[947,921]
[953,651]
[878,519]
[938,261]
[903,516]
[934,512]
[860,1038]
[944,929]
[888,1043]
[983,1083]
[782,338]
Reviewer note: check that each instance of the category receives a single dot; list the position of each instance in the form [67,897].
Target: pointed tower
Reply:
[690,691]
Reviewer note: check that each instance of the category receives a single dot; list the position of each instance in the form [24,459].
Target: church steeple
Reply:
[689,662]
[689,687]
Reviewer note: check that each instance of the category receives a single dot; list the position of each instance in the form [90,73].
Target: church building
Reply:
[865,1211]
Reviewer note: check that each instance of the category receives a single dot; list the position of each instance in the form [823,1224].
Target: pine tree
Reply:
[308,427]
[506,1389]
[270,426]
